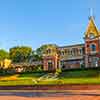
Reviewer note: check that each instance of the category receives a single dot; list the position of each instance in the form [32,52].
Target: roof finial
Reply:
[91,12]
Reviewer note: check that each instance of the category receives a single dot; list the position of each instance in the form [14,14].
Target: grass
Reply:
[31,74]
[52,82]
[80,73]
[91,76]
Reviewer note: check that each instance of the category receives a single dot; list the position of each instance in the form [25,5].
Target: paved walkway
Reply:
[50,95]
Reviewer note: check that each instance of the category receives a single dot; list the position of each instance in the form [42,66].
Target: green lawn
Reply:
[91,76]
[51,82]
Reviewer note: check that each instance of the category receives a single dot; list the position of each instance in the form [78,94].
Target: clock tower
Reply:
[92,44]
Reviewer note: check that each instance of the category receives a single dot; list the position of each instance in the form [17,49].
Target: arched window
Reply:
[81,50]
[93,47]
[63,53]
[48,51]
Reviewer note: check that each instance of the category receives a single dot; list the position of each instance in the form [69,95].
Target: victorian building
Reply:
[77,55]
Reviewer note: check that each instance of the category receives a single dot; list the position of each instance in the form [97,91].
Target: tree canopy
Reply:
[3,54]
[25,53]
[20,54]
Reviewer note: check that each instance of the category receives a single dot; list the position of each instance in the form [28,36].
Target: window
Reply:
[87,45]
[91,36]
[71,52]
[81,51]
[75,51]
[62,52]
[49,51]
[93,47]
[68,52]
[62,63]
[50,65]
[65,51]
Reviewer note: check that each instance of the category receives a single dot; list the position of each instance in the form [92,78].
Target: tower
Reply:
[51,58]
[92,44]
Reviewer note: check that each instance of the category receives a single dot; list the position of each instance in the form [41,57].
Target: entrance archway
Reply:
[50,65]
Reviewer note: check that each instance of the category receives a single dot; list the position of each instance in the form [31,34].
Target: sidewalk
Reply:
[49,95]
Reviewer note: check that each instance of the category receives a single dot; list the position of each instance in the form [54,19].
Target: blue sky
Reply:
[37,22]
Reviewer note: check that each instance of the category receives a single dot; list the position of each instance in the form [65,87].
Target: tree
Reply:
[3,54]
[40,50]
[20,54]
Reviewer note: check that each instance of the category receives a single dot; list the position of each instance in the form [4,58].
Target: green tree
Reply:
[40,50]
[3,54]
[20,54]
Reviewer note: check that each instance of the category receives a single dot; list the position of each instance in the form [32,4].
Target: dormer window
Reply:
[91,36]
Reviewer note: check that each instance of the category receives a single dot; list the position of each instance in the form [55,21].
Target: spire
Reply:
[91,14]
[91,28]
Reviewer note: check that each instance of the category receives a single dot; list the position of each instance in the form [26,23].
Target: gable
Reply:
[91,29]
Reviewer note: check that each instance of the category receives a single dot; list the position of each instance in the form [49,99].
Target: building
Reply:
[77,55]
